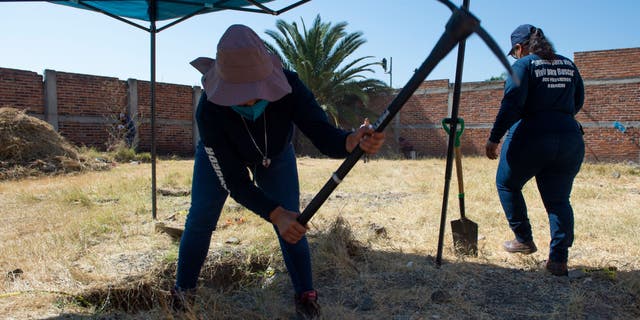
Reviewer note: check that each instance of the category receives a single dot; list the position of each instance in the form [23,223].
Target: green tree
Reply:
[503,76]
[319,56]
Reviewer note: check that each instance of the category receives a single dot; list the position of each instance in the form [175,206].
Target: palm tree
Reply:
[319,57]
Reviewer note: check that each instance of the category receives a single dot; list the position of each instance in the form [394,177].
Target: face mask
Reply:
[251,112]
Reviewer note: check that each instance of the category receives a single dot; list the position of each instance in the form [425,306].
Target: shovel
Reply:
[465,231]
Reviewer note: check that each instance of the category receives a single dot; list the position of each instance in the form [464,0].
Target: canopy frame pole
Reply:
[182,19]
[152,31]
[82,3]
[291,6]
[262,8]
[220,4]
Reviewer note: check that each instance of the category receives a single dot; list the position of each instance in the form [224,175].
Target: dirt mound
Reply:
[30,146]
[24,138]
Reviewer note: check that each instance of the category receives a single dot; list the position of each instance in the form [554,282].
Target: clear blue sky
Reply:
[39,35]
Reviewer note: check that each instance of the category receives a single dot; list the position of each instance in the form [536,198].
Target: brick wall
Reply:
[86,106]
[174,114]
[609,64]
[422,114]
[21,89]
[420,120]
[89,95]
[612,89]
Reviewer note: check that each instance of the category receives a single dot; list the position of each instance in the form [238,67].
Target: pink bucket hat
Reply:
[243,70]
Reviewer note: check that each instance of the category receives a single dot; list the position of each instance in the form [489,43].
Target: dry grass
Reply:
[85,247]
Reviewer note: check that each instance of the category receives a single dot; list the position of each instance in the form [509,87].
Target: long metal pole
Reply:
[152,18]
[452,135]
[391,72]
[460,25]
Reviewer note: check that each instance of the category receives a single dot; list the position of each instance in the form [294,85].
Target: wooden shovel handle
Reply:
[459,170]
[460,180]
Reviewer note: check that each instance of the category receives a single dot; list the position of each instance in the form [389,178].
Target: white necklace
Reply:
[265,160]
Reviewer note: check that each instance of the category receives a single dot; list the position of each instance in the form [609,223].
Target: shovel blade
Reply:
[465,237]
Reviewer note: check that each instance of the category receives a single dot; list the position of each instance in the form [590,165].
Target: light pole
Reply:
[383,63]
[390,72]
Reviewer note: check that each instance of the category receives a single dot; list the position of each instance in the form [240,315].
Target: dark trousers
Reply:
[279,181]
[554,160]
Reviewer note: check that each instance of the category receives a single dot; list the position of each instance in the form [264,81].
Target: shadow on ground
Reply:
[356,282]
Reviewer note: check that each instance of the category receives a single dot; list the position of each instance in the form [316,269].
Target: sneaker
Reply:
[514,246]
[557,268]
[307,306]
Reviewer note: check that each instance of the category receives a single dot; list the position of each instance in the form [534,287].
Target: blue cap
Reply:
[520,35]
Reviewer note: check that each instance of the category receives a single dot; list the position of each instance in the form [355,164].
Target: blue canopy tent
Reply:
[153,11]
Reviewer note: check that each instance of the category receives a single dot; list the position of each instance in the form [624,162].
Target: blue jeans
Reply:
[554,160]
[279,181]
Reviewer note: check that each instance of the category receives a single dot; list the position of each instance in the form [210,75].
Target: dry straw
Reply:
[24,138]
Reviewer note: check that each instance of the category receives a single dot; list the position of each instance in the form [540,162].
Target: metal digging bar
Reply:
[453,122]
[461,24]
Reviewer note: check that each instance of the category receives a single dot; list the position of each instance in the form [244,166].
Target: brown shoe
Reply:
[513,246]
[557,268]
